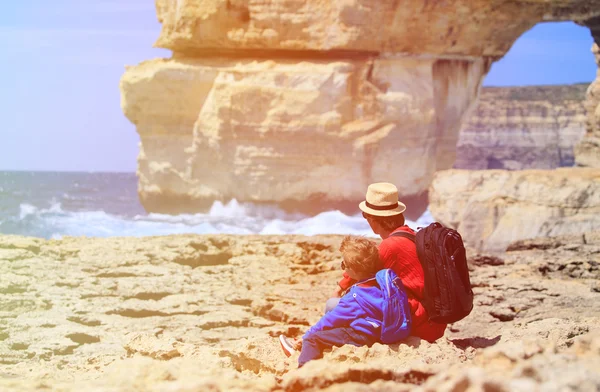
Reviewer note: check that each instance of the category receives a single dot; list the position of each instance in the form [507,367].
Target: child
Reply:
[358,317]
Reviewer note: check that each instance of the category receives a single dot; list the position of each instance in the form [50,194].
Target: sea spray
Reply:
[53,205]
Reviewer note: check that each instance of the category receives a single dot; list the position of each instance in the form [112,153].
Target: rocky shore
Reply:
[190,313]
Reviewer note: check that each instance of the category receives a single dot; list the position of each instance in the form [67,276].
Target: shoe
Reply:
[286,346]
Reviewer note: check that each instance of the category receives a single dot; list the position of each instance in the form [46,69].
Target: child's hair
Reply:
[360,254]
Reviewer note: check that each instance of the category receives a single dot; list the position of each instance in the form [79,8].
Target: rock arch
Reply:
[304,103]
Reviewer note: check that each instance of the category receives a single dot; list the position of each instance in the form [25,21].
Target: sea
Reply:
[57,204]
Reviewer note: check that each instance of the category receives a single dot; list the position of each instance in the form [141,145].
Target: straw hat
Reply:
[382,200]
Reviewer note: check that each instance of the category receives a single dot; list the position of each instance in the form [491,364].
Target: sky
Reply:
[62,61]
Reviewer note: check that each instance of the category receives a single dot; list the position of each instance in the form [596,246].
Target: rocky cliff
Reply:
[291,131]
[198,313]
[306,102]
[457,27]
[588,151]
[492,208]
[515,128]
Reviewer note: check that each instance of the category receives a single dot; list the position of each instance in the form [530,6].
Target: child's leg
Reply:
[313,346]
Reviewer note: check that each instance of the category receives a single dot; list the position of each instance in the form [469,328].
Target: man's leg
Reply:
[331,303]
[313,347]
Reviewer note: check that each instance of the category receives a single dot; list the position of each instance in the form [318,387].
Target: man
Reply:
[384,212]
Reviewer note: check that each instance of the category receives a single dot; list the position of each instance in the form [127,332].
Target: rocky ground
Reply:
[196,313]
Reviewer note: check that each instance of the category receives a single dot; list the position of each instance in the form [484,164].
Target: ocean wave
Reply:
[229,218]
[26,210]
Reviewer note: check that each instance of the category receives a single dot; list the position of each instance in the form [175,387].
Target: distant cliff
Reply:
[525,128]
[515,128]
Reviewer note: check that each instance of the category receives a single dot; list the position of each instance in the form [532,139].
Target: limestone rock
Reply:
[149,345]
[208,326]
[474,28]
[295,132]
[303,103]
[516,128]
[528,367]
[494,208]
[588,151]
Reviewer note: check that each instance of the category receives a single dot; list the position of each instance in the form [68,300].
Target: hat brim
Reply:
[396,211]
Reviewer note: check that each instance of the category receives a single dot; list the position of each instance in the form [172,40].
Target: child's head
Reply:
[361,257]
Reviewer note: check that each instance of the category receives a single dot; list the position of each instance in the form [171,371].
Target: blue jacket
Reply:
[359,309]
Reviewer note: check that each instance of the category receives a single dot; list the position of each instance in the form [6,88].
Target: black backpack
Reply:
[448,294]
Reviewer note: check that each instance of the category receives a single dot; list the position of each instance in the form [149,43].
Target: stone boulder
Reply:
[493,208]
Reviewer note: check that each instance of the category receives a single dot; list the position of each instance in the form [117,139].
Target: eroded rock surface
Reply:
[191,312]
[460,27]
[516,128]
[312,133]
[493,208]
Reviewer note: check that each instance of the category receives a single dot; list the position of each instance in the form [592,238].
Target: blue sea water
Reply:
[57,204]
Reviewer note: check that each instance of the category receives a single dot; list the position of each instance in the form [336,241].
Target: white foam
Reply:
[55,207]
[424,220]
[235,209]
[231,218]
[26,210]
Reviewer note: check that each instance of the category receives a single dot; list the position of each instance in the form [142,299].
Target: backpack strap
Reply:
[404,234]
[372,282]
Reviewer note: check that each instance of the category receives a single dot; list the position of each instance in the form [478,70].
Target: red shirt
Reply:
[400,255]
